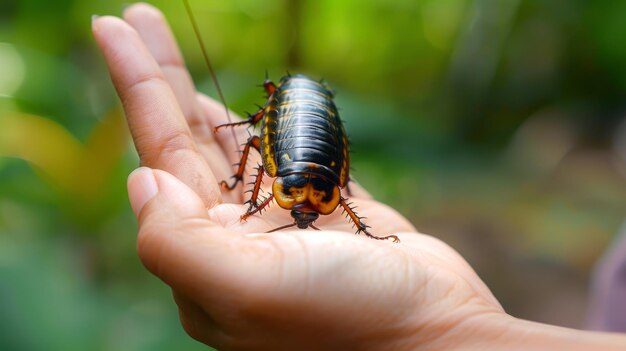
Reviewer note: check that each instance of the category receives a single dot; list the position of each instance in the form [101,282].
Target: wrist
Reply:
[500,331]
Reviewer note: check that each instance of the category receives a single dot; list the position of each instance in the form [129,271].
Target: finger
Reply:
[170,217]
[158,38]
[161,135]
[153,29]
[179,243]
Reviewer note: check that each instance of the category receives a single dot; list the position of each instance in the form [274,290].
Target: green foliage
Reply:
[488,123]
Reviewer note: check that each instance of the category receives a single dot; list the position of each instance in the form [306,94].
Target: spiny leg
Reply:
[254,118]
[251,120]
[253,141]
[254,206]
[258,180]
[362,227]
[254,209]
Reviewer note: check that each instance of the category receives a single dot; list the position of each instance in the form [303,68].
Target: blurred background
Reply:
[496,125]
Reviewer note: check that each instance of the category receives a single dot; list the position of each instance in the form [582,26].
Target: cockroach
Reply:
[304,146]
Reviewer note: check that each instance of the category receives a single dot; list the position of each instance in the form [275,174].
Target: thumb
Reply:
[179,243]
[141,188]
[144,184]
[171,218]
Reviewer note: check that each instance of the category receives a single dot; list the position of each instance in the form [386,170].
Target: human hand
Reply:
[238,288]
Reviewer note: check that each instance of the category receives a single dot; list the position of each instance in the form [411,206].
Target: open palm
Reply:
[238,288]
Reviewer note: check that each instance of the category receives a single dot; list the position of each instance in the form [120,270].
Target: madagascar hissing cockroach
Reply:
[304,146]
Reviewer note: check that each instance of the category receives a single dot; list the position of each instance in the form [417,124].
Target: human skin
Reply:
[238,288]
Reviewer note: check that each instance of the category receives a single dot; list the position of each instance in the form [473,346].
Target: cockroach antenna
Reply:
[205,55]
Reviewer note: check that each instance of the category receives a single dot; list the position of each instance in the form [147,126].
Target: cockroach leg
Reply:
[253,141]
[255,191]
[362,227]
[251,120]
[254,205]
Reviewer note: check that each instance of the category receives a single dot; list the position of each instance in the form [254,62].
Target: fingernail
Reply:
[141,188]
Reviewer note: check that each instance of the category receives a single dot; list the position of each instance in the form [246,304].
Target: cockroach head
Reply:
[304,219]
